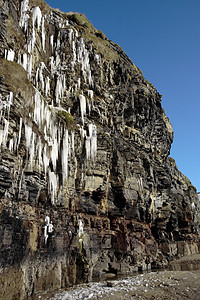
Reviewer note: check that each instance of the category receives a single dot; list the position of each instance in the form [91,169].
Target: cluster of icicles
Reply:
[49,142]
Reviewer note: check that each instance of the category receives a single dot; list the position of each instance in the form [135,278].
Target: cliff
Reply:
[87,185]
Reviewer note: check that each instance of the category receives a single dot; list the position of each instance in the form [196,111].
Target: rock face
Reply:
[87,185]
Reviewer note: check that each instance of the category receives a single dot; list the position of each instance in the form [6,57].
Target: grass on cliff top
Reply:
[90,33]
[42,4]
[15,77]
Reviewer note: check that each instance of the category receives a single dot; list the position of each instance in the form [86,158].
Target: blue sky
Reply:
[163,39]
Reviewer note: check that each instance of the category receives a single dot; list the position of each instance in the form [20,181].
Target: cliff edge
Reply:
[87,186]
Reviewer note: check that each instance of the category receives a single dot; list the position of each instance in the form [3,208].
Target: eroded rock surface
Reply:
[87,185]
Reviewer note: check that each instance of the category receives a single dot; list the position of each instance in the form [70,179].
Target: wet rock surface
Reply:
[87,187]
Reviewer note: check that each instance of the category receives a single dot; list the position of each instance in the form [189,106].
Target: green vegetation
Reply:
[81,20]
[12,34]
[45,8]
[15,77]
[66,118]
[100,34]
[102,45]
[140,71]
[136,69]
[91,34]
[133,67]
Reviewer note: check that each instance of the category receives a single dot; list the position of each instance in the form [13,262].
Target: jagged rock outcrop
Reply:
[87,185]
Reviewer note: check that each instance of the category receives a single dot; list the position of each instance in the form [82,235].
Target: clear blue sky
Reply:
[162,37]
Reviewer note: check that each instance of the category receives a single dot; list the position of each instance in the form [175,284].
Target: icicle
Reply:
[90,94]
[28,136]
[36,16]
[83,132]
[42,67]
[72,141]
[37,78]
[65,153]
[91,142]
[74,54]
[80,229]
[57,62]
[47,220]
[45,234]
[47,116]
[39,151]
[82,106]
[43,35]
[94,142]
[37,110]
[60,88]
[36,20]
[45,160]
[52,185]
[70,35]
[41,110]
[87,147]
[23,23]
[58,42]
[32,149]
[9,103]
[54,153]
[89,106]
[83,59]
[29,68]
[51,41]
[5,132]
[79,83]
[10,55]
[47,85]
[11,145]
[25,61]
[97,58]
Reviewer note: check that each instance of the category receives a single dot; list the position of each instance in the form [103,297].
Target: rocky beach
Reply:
[180,281]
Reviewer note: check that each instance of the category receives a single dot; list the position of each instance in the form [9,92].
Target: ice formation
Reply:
[45,234]
[53,184]
[70,35]
[91,142]
[48,228]
[36,17]
[43,35]
[65,154]
[90,94]
[20,132]
[82,106]
[24,15]
[80,229]
[46,140]
[10,54]
[4,117]
[60,88]
[36,22]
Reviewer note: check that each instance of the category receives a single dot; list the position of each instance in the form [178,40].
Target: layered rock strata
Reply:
[87,185]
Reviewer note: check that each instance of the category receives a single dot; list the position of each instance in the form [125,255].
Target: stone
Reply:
[84,144]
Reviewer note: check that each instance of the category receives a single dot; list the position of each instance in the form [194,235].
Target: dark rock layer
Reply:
[87,186]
